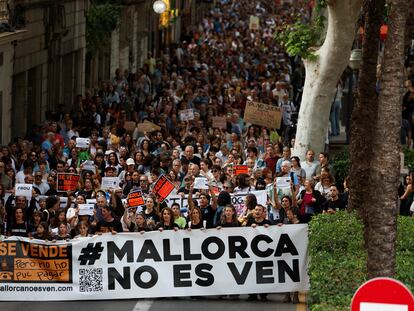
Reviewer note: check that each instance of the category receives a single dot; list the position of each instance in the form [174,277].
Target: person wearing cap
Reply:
[130,163]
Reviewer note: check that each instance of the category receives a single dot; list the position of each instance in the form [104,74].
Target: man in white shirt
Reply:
[310,165]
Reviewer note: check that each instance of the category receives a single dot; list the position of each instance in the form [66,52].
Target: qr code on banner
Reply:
[91,280]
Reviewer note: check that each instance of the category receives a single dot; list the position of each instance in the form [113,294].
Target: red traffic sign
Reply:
[383,294]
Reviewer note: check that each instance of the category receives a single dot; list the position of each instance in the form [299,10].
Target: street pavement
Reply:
[182,304]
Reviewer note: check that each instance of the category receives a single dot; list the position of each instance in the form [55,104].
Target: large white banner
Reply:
[156,264]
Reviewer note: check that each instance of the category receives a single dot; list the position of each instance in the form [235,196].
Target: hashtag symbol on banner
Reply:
[90,253]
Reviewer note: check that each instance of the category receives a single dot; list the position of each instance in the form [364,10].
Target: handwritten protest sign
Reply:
[241,169]
[147,126]
[67,182]
[187,115]
[24,190]
[83,142]
[86,209]
[109,183]
[220,122]
[89,166]
[135,199]
[130,126]
[162,188]
[254,22]
[263,115]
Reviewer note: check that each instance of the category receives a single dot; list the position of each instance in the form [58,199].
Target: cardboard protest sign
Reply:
[240,169]
[162,188]
[220,122]
[187,115]
[254,22]
[83,142]
[86,209]
[130,126]
[200,183]
[67,182]
[263,115]
[24,190]
[135,199]
[109,183]
[147,126]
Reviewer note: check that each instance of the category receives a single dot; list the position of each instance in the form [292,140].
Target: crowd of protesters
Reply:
[218,66]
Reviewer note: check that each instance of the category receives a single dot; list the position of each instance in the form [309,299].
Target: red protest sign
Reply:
[135,199]
[240,169]
[67,182]
[162,188]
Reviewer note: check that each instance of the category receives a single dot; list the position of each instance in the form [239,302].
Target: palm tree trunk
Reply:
[381,215]
[365,108]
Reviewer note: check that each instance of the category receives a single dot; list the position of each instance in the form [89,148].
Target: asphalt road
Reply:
[182,304]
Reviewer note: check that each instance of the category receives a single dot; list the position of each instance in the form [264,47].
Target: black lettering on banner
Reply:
[152,281]
[255,245]
[262,272]
[237,249]
[187,251]
[204,277]
[127,248]
[123,280]
[167,251]
[285,245]
[206,251]
[181,278]
[148,251]
[240,278]
[284,268]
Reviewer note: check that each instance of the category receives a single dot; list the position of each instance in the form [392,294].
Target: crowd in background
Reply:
[216,68]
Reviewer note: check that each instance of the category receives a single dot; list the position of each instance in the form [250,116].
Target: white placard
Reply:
[200,183]
[89,166]
[83,142]
[370,306]
[187,115]
[86,209]
[24,190]
[283,182]
[91,201]
[110,183]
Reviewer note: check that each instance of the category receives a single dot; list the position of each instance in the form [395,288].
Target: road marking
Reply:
[302,305]
[143,305]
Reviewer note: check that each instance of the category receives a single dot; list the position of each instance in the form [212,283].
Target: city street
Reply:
[205,304]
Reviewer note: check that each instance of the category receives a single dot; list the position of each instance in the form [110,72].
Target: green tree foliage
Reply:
[101,19]
[338,259]
[301,38]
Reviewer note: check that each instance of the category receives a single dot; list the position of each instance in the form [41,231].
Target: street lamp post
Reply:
[355,60]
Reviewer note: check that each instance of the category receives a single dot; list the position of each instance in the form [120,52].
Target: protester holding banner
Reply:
[18,226]
[167,221]
[151,211]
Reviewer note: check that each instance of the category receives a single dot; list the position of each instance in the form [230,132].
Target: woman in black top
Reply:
[167,220]
[195,219]
[19,226]
[228,218]
[151,212]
